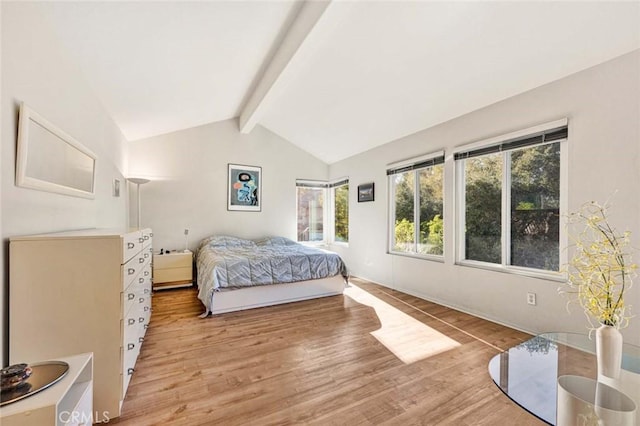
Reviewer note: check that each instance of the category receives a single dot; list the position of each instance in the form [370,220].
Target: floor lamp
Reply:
[138,182]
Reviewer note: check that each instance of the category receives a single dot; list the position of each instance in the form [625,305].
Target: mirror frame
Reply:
[26,153]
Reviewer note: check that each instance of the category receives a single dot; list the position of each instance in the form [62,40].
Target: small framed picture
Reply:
[366,192]
[116,187]
[245,188]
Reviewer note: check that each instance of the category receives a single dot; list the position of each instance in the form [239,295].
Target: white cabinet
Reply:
[67,402]
[82,291]
[172,270]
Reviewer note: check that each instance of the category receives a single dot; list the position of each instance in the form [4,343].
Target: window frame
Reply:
[328,209]
[391,217]
[505,238]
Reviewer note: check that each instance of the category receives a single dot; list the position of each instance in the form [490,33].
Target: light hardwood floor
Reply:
[318,362]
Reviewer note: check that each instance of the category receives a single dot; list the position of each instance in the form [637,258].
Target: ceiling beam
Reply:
[309,15]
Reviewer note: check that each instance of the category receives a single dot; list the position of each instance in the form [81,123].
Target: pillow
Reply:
[275,241]
[226,241]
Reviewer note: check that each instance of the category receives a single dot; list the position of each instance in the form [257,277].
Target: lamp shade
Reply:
[138,181]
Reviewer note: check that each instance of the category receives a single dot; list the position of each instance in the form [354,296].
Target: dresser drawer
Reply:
[136,266]
[131,245]
[147,237]
[130,272]
[172,260]
[129,298]
[128,364]
[171,275]
[130,333]
[147,254]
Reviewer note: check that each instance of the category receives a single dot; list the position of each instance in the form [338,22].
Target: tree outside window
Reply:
[418,199]
[341,213]
[531,176]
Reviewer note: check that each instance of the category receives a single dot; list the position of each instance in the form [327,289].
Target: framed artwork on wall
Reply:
[244,188]
[366,192]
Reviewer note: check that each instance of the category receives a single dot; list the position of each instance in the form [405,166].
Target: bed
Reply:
[236,274]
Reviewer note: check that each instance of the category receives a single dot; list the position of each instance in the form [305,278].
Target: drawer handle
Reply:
[151,234]
[140,339]
[146,326]
[146,255]
[141,260]
[140,280]
[131,296]
[130,346]
[146,273]
[141,240]
[146,308]
[146,237]
[146,291]
[131,271]
[130,371]
[141,319]
[130,245]
[131,321]
[141,300]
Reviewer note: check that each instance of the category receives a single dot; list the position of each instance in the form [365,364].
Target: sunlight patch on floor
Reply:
[406,337]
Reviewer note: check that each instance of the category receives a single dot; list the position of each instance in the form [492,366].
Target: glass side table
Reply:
[528,373]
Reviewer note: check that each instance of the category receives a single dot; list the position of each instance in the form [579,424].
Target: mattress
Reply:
[226,263]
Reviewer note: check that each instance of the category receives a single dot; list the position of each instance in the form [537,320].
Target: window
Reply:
[311,211]
[340,192]
[509,196]
[416,219]
[320,217]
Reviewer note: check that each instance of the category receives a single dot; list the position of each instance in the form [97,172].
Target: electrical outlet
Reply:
[186,232]
[531,299]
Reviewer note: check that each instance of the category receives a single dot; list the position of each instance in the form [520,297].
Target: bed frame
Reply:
[268,295]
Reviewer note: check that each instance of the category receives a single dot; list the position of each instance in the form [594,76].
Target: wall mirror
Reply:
[50,160]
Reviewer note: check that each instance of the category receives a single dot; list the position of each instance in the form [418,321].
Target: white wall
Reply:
[603,107]
[188,170]
[35,70]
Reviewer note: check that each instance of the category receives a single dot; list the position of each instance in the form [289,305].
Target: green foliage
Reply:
[404,231]
[525,205]
[483,202]
[430,198]
[436,234]
[404,196]
[342,213]
[535,189]
[535,173]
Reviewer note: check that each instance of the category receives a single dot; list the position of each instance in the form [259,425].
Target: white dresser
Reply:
[82,291]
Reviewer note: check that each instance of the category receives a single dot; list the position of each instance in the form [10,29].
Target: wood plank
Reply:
[315,362]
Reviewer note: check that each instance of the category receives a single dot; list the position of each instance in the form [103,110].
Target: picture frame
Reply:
[366,192]
[48,159]
[244,190]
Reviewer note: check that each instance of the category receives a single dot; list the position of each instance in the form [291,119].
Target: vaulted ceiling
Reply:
[335,78]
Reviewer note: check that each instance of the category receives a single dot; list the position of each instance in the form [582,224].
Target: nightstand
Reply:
[172,270]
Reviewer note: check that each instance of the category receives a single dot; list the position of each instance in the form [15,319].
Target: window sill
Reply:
[432,257]
[533,273]
[339,244]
